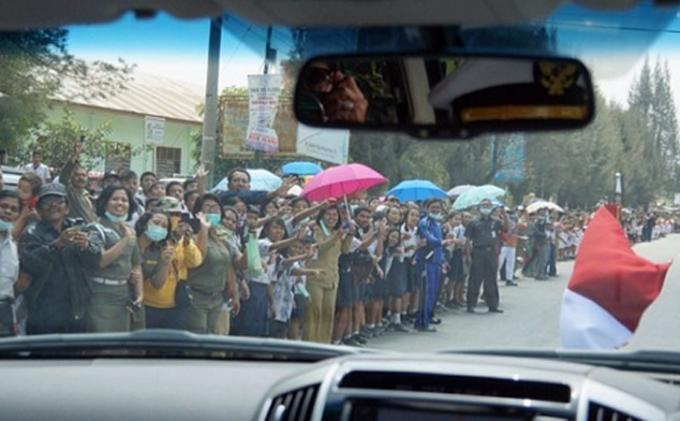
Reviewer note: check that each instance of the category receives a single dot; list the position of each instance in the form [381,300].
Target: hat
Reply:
[52,189]
[110,174]
[169,204]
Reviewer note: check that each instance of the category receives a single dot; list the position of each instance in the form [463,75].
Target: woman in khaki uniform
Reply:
[207,282]
[320,309]
[117,267]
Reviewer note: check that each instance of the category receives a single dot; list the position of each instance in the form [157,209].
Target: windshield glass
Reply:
[133,198]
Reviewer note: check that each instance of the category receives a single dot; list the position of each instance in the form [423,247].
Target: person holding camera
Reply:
[483,233]
[167,254]
[50,251]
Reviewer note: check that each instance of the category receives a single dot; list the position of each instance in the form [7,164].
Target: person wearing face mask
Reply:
[10,206]
[114,273]
[207,283]
[483,233]
[166,258]
[430,258]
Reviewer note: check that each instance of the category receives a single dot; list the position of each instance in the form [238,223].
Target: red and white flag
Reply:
[609,288]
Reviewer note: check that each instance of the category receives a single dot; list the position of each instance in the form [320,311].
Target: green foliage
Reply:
[57,140]
[34,66]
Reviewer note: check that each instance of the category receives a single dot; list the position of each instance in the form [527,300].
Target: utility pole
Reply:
[268,50]
[208,145]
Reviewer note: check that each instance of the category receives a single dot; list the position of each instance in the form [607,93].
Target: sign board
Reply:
[324,144]
[263,92]
[511,163]
[154,129]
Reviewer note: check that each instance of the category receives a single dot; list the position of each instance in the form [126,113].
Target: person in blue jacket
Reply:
[429,260]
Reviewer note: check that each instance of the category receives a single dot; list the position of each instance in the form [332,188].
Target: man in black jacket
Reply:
[48,251]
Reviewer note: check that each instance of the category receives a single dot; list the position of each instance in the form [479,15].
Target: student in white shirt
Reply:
[39,168]
[10,207]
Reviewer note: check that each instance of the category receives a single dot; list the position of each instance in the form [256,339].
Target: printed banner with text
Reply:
[264,96]
[324,144]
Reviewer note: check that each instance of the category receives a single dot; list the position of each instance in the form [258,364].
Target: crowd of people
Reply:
[256,263]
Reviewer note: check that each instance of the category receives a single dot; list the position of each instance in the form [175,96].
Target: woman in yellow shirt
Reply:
[166,258]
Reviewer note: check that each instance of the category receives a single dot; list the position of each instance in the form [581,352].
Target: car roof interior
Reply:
[37,13]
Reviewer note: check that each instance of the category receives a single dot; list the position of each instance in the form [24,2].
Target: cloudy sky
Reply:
[612,45]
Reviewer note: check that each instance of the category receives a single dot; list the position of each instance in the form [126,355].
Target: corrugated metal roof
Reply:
[144,94]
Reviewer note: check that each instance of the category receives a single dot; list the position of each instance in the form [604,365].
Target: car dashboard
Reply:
[357,387]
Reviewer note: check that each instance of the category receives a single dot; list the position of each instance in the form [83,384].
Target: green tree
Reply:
[34,66]
[57,139]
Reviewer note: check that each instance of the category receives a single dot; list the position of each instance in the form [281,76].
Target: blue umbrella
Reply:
[416,190]
[301,168]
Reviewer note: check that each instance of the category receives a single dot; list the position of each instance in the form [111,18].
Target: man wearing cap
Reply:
[239,186]
[10,206]
[48,250]
[110,178]
[75,180]
[483,233]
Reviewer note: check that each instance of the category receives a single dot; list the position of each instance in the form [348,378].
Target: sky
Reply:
[177,50]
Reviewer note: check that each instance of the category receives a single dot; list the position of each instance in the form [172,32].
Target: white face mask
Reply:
[485,211]
[436,216]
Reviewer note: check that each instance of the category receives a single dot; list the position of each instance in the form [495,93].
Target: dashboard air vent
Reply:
[295,405]
[460,385]
[599,412]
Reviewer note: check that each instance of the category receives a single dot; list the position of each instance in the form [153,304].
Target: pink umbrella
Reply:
[342,181]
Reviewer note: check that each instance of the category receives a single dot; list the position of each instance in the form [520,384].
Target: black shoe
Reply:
[359,339]
[398,327]
[362,336]
[436,321]
[352,342]
[541,278]
[511,284]
[426,329]
[495,310]
[515,277]
[470,310]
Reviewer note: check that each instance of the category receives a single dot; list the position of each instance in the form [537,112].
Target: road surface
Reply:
[532,311]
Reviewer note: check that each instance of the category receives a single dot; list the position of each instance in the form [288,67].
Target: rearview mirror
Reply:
[459,95]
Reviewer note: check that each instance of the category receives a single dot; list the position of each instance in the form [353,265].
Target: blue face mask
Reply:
[436,216]
[115,219]
[213,219]
[156,233]
[6,226]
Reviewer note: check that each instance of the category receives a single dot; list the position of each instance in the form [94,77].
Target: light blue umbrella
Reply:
[259,180]
[416,191]
[458,190]
[474,196]
[301,168]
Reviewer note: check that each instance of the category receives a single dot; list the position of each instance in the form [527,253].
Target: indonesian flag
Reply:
[609,288]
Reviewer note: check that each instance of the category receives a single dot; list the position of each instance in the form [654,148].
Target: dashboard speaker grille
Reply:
[460,385]
[296,405]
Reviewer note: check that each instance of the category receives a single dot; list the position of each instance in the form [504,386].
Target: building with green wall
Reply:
[155,116]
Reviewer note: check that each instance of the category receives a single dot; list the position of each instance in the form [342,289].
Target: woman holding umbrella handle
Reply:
[322,288]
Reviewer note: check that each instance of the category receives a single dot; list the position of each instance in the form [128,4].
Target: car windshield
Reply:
[134,198]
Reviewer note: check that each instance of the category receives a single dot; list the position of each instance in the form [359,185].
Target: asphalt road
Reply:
[532,310]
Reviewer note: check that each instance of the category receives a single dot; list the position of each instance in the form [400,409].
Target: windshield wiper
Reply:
[168,344]
[642,360]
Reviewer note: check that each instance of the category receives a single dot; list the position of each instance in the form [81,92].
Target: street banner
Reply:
[263,100]
[328,145]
